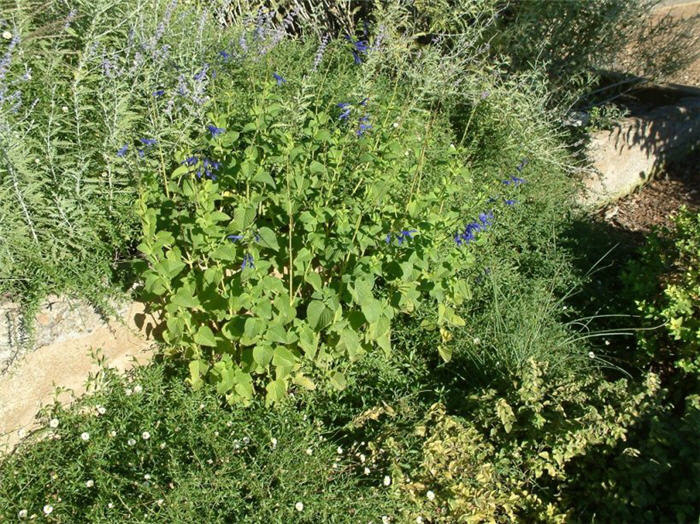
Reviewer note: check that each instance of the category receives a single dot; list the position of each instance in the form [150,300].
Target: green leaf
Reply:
[243,384]
[283,357]
[303,381]
[205,337]
[197,369]
[314,279]
[243,217]
[338,381]
[371,309]
[262,354]
[308,341]
[314,312]
[276,391]
[264,178]
[224,376]
[316,167]
[184,297]
[445,352]
[268,238]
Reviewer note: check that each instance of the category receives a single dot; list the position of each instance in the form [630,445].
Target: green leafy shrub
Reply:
[509,459]
[286,246]
[665,282]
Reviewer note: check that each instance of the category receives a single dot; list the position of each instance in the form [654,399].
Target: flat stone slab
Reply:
[627,156]
[67,333]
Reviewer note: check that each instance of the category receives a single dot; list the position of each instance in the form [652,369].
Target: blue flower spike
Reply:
[280,79]
[247,262]
[159,93]
[235,238]
[122,151]
[215,131]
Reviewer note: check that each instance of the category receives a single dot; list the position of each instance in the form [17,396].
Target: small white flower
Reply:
[607,342]
[85,436]
[7,35]
[591,354]
[21,433]
[138,388]
[145,435]
[64,109]
[101,410]
[36,160]
[395,124]
[366,470]
[335,465]
[477,341]
[385,519]
[48,509]
[22,514]
[273,441]
[210,461]
[362,458]
[299,506]
[387,480]
[452,146]
[430,495]
[340,450]
[216,433]
[309,451]
[229,424]
[147,476]
[162,445]
[89,483]
[419,520]
[201,406]
[110,505]
[160,502]
[128,392]
[113,433]
[53,423]
[131,442]
[246,440]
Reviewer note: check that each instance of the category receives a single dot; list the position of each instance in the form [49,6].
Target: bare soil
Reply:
[655,204]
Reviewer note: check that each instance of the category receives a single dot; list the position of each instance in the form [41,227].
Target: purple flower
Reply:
[215,131]
[235,238]
[148,141]
[141,153]
[207,168]
[202,73]
[345,114]
[279,79]
[363,102]
[356,57]
[122,150]
[517,180]
[225,55]
[522,164]
[486,218]
[388,238]
[320,51]
[159,93]
[190,161]
[511,202]
[361,130]
[247,261]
